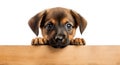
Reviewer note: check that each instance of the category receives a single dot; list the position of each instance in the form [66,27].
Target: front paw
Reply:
[78,41]
[39,41]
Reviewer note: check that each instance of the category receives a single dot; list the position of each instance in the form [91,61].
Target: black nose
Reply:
[59,38]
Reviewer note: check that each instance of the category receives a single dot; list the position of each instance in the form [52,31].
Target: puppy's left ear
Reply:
[35,22]
[81,22]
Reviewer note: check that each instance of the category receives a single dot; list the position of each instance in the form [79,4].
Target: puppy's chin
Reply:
[59,44]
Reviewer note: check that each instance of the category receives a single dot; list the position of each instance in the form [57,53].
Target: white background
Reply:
[103,18]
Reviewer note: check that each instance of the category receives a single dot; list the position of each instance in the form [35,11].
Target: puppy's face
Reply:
[58,25]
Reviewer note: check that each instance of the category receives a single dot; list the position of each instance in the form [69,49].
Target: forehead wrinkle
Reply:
[56,15]
[63,17]
[59,15]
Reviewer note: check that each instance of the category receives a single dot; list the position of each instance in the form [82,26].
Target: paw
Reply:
[78,41]
[39,41]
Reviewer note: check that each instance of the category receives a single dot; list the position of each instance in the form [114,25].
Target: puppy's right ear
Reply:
[35,22]
[81,22]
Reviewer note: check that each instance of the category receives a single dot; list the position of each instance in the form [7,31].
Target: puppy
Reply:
[58,26]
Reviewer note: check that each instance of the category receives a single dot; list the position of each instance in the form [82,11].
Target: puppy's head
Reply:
[58,25]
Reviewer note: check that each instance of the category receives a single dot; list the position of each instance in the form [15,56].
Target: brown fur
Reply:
[58,26]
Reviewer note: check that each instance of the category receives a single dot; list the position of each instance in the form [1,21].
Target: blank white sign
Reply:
[103,17]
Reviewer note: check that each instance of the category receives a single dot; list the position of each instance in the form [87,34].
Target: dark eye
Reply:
[68,26]
[49,26]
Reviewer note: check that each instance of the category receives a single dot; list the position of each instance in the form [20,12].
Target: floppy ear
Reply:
[81,22]
[35,22]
